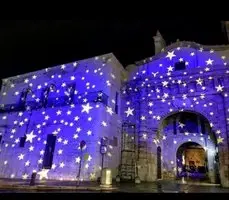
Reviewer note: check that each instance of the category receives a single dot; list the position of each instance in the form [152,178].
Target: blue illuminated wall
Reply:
[91,99]
[74,102]
[156,89]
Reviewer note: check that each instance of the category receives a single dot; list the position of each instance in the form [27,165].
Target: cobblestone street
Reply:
[9,186]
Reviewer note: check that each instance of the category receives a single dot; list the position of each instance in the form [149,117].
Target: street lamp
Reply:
[82,146]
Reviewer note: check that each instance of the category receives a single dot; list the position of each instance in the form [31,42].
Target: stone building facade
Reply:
[46,114]
[143,114]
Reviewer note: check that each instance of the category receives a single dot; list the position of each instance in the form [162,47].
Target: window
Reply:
[22,141]
[174,126]
[202,123]
[116,103]
[49,150]
[115,141]
[0,138]
[180,66]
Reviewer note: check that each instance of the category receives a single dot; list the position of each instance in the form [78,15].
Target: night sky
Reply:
[29,45]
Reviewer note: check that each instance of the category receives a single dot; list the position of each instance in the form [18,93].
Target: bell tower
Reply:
[225,29]
[159,42]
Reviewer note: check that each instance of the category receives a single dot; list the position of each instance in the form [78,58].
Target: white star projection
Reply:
[84,115]
[86,108]
[43,174]
[129,112]
[69,123]
[30,137]
[164,78]
[170,55]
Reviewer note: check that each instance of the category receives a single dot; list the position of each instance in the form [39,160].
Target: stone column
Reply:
[224,146]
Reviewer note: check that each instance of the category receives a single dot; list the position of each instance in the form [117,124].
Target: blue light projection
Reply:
[77,101]
[70,102]
[163,90]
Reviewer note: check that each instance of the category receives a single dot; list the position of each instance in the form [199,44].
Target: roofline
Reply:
[182,44]
[53,67]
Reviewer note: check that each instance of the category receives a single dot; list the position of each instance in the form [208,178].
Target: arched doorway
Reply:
[183,134]
[192,161]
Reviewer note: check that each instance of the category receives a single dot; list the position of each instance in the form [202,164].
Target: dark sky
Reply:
[29,45]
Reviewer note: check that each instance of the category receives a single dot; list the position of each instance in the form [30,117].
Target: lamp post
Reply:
[82,146]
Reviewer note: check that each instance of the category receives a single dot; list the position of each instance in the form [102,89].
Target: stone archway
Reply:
[183,127]
[192,161]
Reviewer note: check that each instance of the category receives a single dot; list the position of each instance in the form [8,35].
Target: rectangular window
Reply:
[174,126]
[116,103]
[180,66]
[0,138]
[115,141]
[22,141]
[202,127]
[49,151]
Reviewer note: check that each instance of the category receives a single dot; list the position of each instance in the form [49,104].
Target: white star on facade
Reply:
[170,68]
[144,136]
[219,88]
[89,132]
[53,166]
[42,152]
[40,161]
[26,80]
[155,74]
[13,130]
[78,129]
[75,136]
[158,117]
[65,142]
[209,61]
[29,137]
[129,111]
[62,165]
[170,55]
[86,108]
[58,112]
[25,176]
[109,110]
[27,163]
[21,156]
[199,81]
[60,151]
[78,160]
[31,148]
[76,118]
[69,112]
[17,140]
[165,83]
[143,118]
[181,125]
[104,123]
[179,81]
[150,104]
[184,96]
[181,59]
[43,174]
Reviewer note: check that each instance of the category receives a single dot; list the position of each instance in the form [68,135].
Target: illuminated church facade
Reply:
[166,117]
